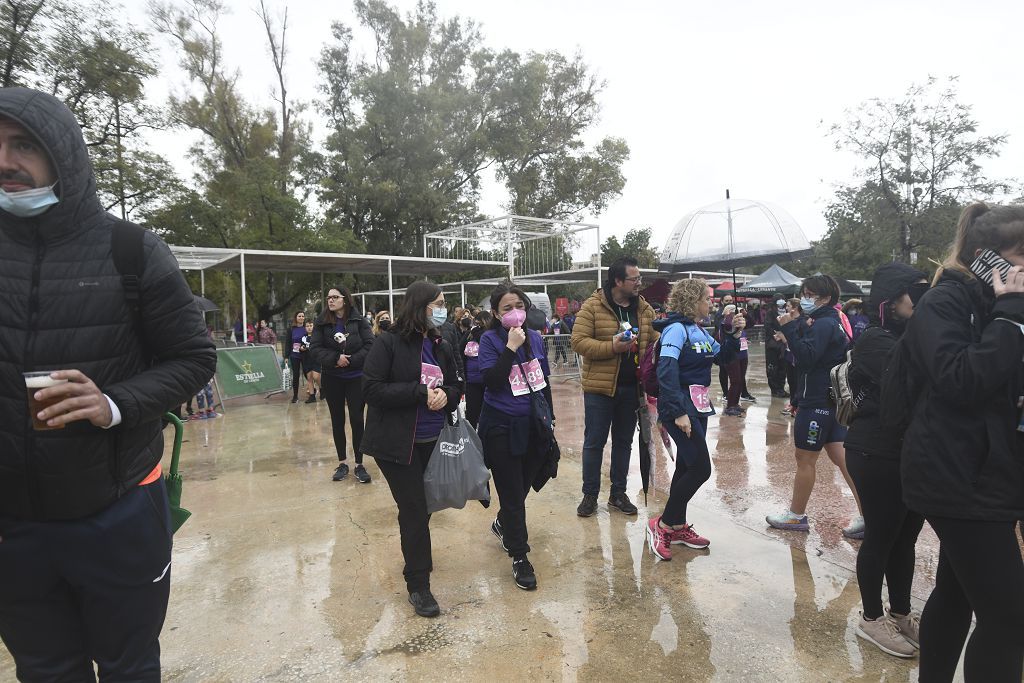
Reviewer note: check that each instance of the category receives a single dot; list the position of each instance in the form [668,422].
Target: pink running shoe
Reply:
[657,539]
[688,537]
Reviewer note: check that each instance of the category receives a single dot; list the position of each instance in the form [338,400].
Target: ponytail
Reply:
[984,227]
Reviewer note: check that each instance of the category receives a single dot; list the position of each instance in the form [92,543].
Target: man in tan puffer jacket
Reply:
[611,357]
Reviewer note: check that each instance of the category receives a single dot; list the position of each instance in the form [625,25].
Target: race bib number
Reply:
[431,375]
[534,378]
[700,397]
[744,345]
[296,347]
[472,349]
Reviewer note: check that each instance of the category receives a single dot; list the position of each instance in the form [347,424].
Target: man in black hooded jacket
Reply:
[85,540]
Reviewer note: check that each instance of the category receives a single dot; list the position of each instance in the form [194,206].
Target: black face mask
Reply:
[384,324]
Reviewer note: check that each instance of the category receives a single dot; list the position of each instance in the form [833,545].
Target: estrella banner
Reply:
[248,370]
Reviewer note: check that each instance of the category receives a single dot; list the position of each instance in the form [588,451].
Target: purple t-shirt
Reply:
[343,373]
[429,422]
[492,345]
[297,334]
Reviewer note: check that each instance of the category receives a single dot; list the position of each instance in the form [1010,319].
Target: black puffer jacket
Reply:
[64,307]
[962,454]
[324,351]
[393,393]
[868,434]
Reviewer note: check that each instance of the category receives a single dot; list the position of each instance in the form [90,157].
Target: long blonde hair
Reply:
[376,321]
[685,295]
[984,227]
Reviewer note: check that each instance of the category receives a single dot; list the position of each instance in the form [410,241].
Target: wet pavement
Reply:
[282,574]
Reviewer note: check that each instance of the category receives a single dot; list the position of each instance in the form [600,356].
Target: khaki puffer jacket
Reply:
[596,324]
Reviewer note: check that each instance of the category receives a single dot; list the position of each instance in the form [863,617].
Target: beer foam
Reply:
[42,382]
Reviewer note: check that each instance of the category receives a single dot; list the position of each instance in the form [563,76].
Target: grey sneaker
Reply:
[909,626]
[885,634]
[588,507]
[341,472]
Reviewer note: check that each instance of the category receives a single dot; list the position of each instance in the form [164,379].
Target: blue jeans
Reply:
[603,413]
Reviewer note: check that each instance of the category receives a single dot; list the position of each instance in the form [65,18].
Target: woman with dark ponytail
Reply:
[962,462]
[514,368]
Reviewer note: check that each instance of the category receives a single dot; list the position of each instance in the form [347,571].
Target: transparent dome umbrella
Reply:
[732,233]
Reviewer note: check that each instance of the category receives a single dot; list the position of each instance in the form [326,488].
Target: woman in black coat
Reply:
[411,383]
[341,340]
[873,459]
[963,453]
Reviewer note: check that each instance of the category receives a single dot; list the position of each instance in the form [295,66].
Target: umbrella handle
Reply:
[179,435]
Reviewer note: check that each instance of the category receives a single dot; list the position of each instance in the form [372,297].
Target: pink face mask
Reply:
[514,318]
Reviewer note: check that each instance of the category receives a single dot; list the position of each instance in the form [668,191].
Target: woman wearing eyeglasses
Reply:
[341,339]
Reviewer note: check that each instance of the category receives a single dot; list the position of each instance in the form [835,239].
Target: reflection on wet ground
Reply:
[282,574]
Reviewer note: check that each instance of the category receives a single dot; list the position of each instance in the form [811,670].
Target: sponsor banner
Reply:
[248,370]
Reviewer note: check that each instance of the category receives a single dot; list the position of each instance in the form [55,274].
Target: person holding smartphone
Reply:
[818,343]
[962,463]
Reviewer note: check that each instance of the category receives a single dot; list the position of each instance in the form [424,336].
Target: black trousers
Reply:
[474,402]
[793,381]
[513,475]
[406,484]
[296,373]
[981,571]
[723,378]
[693,468]
[775,369]
[339,393]
[88,590]
[890,533]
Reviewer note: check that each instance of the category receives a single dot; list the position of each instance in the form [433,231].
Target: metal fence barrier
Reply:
[563,362]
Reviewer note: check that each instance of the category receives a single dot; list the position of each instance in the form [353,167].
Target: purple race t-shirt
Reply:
[513,401]
[429,422]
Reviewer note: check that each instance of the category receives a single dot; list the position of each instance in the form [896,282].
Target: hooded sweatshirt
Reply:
[867,432]
[64,307]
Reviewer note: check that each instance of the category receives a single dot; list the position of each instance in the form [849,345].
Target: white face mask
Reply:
[28,203]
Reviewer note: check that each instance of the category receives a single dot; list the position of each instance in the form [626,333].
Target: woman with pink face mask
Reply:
[515,373]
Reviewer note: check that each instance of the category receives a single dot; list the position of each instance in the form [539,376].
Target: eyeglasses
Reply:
[638,279]
[333,298]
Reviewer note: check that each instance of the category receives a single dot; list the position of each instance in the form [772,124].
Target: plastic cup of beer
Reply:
[34,381]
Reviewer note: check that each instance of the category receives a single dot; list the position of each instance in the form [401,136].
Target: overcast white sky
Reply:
[707,96]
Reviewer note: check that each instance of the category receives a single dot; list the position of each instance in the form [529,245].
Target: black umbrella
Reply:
[205,305]
[646,461]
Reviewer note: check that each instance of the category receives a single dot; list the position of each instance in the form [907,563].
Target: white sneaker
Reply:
[856,529]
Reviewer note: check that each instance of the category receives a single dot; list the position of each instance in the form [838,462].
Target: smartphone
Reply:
[988,261]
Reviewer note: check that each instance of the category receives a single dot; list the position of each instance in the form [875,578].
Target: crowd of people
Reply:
[953,459]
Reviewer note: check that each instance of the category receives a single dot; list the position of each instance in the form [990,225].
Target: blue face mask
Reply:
[807,305]
[28,203]
[439,316]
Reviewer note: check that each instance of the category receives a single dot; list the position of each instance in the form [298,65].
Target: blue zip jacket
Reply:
[685,357]
[817,348]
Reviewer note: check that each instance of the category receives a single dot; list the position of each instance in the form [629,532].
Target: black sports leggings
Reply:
[693,468]
[981,571]
[296,373]
[890,533]
[340,392]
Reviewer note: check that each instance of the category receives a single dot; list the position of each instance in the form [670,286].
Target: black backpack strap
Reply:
[126,242]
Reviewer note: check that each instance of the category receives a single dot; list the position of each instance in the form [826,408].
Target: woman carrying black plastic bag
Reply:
[515,372]
[411,383]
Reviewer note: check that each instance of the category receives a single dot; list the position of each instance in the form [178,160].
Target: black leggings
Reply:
[981,571]
[890,533]
[693,468]
[474,402]
[296,364]
[340,392]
